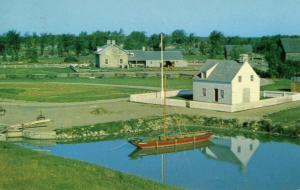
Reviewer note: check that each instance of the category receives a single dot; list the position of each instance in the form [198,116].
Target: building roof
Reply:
[140,55]
[244,48]
[291,45]
[224,71]
[102,48]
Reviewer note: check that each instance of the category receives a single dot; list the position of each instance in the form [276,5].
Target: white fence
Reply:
[275,98]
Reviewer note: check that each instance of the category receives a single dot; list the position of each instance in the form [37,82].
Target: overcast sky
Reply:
[232,17]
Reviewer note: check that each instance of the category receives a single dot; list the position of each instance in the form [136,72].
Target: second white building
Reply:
[226,82]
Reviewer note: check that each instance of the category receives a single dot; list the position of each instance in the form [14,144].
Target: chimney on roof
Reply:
[113,42]
[244,58]
[108,42]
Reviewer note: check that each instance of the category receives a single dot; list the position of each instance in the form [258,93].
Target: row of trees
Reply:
[14,46]
[31,46]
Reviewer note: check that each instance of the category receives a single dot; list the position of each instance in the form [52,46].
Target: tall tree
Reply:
[216,40]
[135,40]
[179,37]
[13,43]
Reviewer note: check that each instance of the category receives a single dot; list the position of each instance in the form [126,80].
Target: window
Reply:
[106,61]
[121,61]
[251,146]
[239,149]
[203,91]
[202,75]
[240,78]
[252,78]
[222,93]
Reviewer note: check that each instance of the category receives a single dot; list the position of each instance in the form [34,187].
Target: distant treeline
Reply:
[30,47]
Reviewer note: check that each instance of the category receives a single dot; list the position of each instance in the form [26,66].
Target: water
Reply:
[227,163]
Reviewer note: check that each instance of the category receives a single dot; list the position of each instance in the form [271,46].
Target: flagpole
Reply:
[162,65]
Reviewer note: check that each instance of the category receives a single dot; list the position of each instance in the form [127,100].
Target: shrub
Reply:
[70,59]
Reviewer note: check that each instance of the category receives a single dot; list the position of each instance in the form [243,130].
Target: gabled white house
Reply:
[226,82]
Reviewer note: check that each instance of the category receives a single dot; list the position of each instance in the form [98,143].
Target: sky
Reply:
[247,18]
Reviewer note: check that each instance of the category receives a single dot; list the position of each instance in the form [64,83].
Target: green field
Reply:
[49,92]
[51,60]
[22,168]
[179,83]
[26,71]
[279,85]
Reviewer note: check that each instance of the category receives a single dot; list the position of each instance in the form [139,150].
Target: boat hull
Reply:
[171,142]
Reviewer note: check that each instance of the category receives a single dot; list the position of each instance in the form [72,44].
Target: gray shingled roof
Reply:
[224,71]
[140,55]
[244,48]
[291,45]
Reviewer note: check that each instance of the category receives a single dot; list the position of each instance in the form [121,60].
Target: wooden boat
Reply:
[138,152]
[171,140]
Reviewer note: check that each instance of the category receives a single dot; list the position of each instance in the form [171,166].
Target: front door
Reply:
[216,95]
[246,95]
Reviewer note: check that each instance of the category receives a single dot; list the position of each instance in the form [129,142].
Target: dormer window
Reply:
[202,75]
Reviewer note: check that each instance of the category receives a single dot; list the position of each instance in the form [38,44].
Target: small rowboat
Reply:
[171,140]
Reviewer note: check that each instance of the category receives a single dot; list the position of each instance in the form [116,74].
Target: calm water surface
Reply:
[226,163]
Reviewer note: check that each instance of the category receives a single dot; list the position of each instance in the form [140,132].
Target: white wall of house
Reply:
[246,90]
[223,92]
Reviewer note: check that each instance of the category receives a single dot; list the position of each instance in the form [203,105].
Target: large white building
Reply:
[226,82]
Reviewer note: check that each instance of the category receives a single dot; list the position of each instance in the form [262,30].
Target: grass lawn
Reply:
[285,116]
[22,168]
[279,85]
[149,82]
[26,71]
[47,92]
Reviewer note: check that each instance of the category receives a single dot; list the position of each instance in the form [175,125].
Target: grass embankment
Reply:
[22,168]
[177,123]
[47,92]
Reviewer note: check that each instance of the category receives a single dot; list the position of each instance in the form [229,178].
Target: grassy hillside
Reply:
[29,170]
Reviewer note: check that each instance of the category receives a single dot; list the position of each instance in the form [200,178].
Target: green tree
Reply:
[13,41]
[216,40]
[43,40]
[154,42]
[135,40]
[179,37]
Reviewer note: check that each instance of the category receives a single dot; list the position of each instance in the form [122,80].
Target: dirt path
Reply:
[114,110]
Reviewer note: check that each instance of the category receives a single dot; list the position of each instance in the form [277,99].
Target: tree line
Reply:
[31,47]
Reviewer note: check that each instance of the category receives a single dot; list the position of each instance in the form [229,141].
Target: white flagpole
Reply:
[162,65]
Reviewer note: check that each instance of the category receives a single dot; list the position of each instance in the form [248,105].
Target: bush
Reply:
[70,59]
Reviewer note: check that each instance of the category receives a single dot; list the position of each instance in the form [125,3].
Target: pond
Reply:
[223,163]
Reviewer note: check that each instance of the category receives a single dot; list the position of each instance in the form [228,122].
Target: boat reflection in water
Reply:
[236,150]
[138,152]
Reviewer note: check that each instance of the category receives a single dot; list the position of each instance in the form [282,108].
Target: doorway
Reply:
[216,95]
